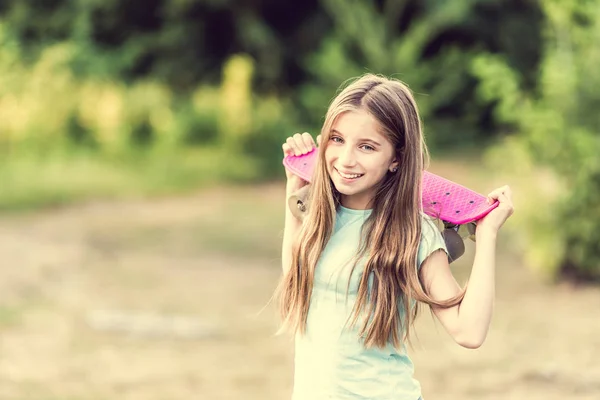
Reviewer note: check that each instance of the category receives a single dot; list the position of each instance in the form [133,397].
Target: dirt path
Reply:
[86,294]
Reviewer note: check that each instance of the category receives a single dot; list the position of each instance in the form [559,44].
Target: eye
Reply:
[369,148]
[336,139]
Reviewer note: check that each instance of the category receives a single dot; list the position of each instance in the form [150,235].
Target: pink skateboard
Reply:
[453,204]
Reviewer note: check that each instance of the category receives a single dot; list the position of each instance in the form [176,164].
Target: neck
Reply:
[356,202]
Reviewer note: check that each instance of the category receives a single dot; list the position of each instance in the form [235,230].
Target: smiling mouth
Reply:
[348,176]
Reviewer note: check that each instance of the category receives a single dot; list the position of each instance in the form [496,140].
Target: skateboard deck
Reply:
[441,198]
[458,207]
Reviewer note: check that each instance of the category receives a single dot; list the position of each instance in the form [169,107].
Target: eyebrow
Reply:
[360,140]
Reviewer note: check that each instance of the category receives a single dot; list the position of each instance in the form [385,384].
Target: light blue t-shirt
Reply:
[330,360]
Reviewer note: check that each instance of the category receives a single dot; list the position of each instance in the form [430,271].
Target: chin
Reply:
[346,191]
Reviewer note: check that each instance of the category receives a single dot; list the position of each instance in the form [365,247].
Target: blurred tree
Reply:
[429,45]
[182,42]
[558,127]
[300,52]
[186,41]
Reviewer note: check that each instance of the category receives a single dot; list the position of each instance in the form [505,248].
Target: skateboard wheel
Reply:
[472,227]
[454,244]
[297,202]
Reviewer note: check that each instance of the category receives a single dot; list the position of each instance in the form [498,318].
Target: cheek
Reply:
[379,166]
[329,155]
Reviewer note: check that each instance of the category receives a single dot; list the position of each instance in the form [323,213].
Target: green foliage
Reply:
[180,42]
[70,137]
[430,46]
[558,128]
[139,84]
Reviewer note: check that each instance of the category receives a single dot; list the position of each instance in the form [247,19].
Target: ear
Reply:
[396,160]
[394,165]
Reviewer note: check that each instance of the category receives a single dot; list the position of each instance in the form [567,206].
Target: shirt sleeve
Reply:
[431,240]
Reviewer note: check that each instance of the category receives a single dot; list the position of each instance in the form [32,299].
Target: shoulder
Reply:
[427,220]
[431,238]
[430,227]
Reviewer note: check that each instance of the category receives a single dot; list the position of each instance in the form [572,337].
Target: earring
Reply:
[394,169]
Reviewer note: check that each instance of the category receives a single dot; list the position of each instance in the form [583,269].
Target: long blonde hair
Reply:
[391,234]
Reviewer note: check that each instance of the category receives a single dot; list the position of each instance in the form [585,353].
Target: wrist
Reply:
[293,185]
[291,189]
[485,233]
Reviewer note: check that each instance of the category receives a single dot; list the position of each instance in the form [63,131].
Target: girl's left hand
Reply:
[496,218]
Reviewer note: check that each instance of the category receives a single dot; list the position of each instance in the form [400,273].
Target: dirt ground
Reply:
[88,294]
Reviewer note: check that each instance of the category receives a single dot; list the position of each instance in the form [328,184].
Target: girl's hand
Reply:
[496,218]
[297,145]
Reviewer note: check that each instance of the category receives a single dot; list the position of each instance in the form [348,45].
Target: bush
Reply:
[555,152]
[158,140]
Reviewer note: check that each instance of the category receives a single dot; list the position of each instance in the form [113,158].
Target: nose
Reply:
[346,157]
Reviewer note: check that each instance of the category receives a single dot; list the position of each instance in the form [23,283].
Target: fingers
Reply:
[287,150]
[503,191]
[504,196]
[298,144]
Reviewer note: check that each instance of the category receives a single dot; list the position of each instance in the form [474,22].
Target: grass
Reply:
[34,179]
[10,316]
[28,181]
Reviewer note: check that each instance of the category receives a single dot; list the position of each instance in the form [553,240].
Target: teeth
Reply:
[349,176]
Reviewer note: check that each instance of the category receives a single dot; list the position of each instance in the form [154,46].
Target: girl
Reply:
[365,253]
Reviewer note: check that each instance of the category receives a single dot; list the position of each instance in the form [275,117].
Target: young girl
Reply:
[365,253]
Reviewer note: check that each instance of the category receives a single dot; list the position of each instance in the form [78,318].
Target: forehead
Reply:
[358,124]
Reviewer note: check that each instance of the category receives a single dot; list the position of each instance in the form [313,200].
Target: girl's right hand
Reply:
[297,145]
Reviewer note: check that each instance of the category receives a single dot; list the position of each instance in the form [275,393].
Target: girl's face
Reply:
[358,157]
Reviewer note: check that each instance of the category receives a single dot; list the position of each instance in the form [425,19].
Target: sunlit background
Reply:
[142,192]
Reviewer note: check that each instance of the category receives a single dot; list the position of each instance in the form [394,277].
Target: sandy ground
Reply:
[88,294]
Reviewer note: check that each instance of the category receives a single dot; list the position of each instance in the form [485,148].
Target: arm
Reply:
[469,321]
[291,229]
[297,144]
